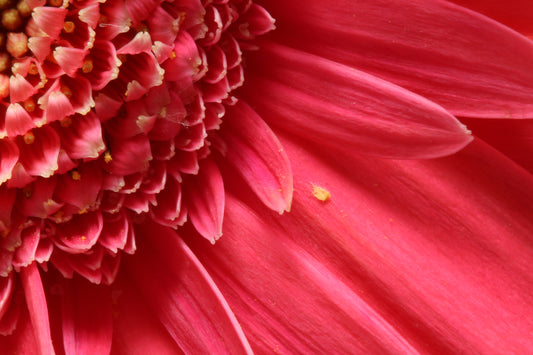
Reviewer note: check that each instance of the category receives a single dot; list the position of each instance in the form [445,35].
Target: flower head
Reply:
[119,120]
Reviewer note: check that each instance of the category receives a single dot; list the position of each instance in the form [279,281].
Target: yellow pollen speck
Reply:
[69,27]
[83,238]
[172,55]
[33,70]
[88,65]
[107,157]
[66,91]
[67,122]
[75,175]
[29,105]
[27,191]
[29,138]
[321,193]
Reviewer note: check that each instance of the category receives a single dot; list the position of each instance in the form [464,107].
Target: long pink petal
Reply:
[470,65]
[254,151]
[87,318]
[403,257]
[515,13]
[182,294]
[334,105]
[140,331]
[205,200]
[36,302]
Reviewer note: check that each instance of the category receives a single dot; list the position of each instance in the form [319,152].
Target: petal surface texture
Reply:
[183,295]
[335,105]
[403,257]
[470,65]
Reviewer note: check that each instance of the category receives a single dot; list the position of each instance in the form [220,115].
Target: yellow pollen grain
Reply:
[107,157]
[29,105]
[27,192]
[75,175]
[33,70]
[11,19]
[83,238]
[321,193]
[55,3]
[67,122]
[29,138]
[172,55]
[24,8]
[69,26]
[66,91]
[87,66]
[4,61]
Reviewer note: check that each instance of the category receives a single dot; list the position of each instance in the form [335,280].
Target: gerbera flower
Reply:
[121,122]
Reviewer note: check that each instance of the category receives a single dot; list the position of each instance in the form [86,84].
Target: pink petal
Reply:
[50,19]
[184,298]
[470,65]
[129,155]
[140,331]
[40,155]
[18,120]
[395,261]
[205,201]
[515,14]
[81,137]
[79,234]
[25,254]
[87,318]
[36,302]
[69,59]
[511,137]
[6,292]
[9,155]
[256,154]
[20,89]
[336,106]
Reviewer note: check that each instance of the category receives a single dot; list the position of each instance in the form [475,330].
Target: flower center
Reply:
[105,109]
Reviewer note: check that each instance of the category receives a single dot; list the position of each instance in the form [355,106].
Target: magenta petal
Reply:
[139,332]
[397,260]
[515,13]
[336,106]
[184,296]
[205,201]
[9,155]
[468,64]
[87,318]
[256,153]
[36,301]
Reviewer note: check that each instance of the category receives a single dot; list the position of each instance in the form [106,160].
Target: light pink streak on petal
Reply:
[184,297]
[69,59]
[9,155]
[6,292]
[336,106]
[87,318]
[36,302]
[50,19]
[19,88]
[18,120]
[470,65]
[205,201]
[257,155]
[41,156]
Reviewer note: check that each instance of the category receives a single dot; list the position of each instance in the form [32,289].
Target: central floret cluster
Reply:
[105,107]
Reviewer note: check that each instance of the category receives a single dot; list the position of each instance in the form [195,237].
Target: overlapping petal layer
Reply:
[470,65]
